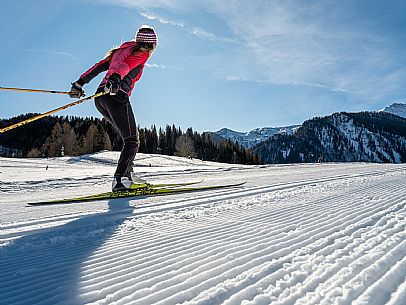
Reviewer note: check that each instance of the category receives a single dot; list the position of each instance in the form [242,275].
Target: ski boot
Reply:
[128,183]
[121,184]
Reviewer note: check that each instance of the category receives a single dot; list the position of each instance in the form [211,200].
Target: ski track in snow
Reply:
[295,234]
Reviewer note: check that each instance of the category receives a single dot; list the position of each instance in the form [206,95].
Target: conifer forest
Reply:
[72,136]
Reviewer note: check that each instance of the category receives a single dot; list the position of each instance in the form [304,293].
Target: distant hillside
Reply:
[253,137]
[365,136]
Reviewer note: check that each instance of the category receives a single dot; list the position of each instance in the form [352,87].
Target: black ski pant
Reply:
[118,111]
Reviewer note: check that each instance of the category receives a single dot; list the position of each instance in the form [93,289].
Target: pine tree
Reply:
[162,142]
[154,140]
[103,140]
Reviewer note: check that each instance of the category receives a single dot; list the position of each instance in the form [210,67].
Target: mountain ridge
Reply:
[398,109]
[253,137]
[340,137]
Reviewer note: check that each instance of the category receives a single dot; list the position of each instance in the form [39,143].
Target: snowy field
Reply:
[294,234]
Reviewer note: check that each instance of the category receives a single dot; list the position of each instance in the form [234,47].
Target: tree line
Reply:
[71,136]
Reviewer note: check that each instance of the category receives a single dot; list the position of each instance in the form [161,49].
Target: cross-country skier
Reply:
[124,66]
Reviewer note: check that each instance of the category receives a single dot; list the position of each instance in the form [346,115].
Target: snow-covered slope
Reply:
[361,138]
[364,136]
[253,137]
[294,234]
[398,109]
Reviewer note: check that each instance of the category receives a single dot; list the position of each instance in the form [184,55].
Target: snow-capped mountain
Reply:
[341,137]
[364,136]
[253,137]
[398,109]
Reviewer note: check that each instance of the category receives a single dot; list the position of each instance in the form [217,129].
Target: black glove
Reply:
[113,84]
[76,91]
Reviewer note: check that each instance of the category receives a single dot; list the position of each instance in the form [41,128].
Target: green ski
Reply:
[146,191]
[171,184]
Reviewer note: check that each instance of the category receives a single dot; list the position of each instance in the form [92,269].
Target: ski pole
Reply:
[51,112]
[33,90]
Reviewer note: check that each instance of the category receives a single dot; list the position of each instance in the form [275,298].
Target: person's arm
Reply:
[101,66]
[76,90]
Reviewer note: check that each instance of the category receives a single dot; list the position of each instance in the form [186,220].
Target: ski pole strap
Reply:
[33,90]
[51,112]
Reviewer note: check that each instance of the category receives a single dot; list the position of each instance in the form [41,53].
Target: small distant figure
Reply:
[190,157]
[46,168]
[320,160]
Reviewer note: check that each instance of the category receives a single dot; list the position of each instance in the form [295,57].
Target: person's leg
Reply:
[101,107]
[130,149]
[119,113]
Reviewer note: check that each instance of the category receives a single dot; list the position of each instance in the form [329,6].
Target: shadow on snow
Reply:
[45,267]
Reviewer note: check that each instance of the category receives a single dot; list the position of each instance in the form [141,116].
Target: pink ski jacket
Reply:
[123,62]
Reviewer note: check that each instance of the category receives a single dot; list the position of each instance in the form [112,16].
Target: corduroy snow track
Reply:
[294,234]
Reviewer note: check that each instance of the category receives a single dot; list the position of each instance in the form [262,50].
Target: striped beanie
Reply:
[146,34]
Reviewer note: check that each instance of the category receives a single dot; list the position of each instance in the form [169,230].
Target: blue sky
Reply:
[236,64]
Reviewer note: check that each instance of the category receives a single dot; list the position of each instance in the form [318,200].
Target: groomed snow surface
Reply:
[294,234]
